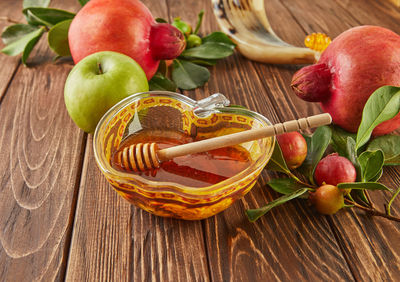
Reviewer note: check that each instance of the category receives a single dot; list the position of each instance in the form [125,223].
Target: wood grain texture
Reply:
[379,13]
[290,235]
[40,149]
[42,152]
[114,241]
[371,245]
[395,2]
[100,242]
[12,11]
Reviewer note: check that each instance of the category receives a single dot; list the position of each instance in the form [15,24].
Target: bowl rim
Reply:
[110,172]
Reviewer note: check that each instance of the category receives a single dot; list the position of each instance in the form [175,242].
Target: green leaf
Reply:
[316,147]
[371,163]
[46,16]
[58,38]
[29,47]
[394,161]
[199,21]
[377,176]
[277,162]
[18,46]
[16,31]
[363,185]
[390,146]
[209,50]
[255,214]
[219,37]
[160,82]
[35,3]
[285,185]
[339,139]
[351,155]
[189,76]
[161,20]
[382,105]
[83,2]
[204,62]
[388,207]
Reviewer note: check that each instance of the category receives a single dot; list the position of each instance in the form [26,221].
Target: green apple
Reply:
[98,82]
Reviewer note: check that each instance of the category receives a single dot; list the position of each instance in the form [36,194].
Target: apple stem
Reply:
[100,69]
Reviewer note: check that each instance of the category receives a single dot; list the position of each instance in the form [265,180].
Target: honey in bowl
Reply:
[168,119]
[195,170]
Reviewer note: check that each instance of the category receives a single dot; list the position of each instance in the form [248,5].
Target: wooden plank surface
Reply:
[12,12]
[291,235]
[114,241]
[41,151]
[60,220]
[358,235]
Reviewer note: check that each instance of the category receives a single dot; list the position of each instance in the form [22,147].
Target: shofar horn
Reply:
[246,23]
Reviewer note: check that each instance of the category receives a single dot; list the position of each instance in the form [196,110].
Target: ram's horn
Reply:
[246,23]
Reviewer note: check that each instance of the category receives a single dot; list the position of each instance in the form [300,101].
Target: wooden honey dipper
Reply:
[141,157]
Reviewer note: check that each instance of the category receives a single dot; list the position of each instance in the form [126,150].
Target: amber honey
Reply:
[196,170]
[188,187]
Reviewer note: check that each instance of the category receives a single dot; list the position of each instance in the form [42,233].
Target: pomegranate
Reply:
[334,169]
[353,66]
[124,26]
[294,148]
[327,199]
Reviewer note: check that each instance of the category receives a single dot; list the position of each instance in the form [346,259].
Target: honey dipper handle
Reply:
[243,136]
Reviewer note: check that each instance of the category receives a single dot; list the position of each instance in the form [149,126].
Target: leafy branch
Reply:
[22,38]
[372,211]
[368,157]
[255,214]
[189,70]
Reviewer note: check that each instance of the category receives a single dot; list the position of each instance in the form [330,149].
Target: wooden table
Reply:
[59,218]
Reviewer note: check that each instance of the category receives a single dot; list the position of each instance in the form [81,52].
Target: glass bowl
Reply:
[206,118]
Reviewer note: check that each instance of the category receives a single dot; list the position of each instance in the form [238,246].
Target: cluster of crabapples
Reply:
[329,172]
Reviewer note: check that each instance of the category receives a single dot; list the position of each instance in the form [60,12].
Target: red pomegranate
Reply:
[334,169]
[124,26]
[355,64]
